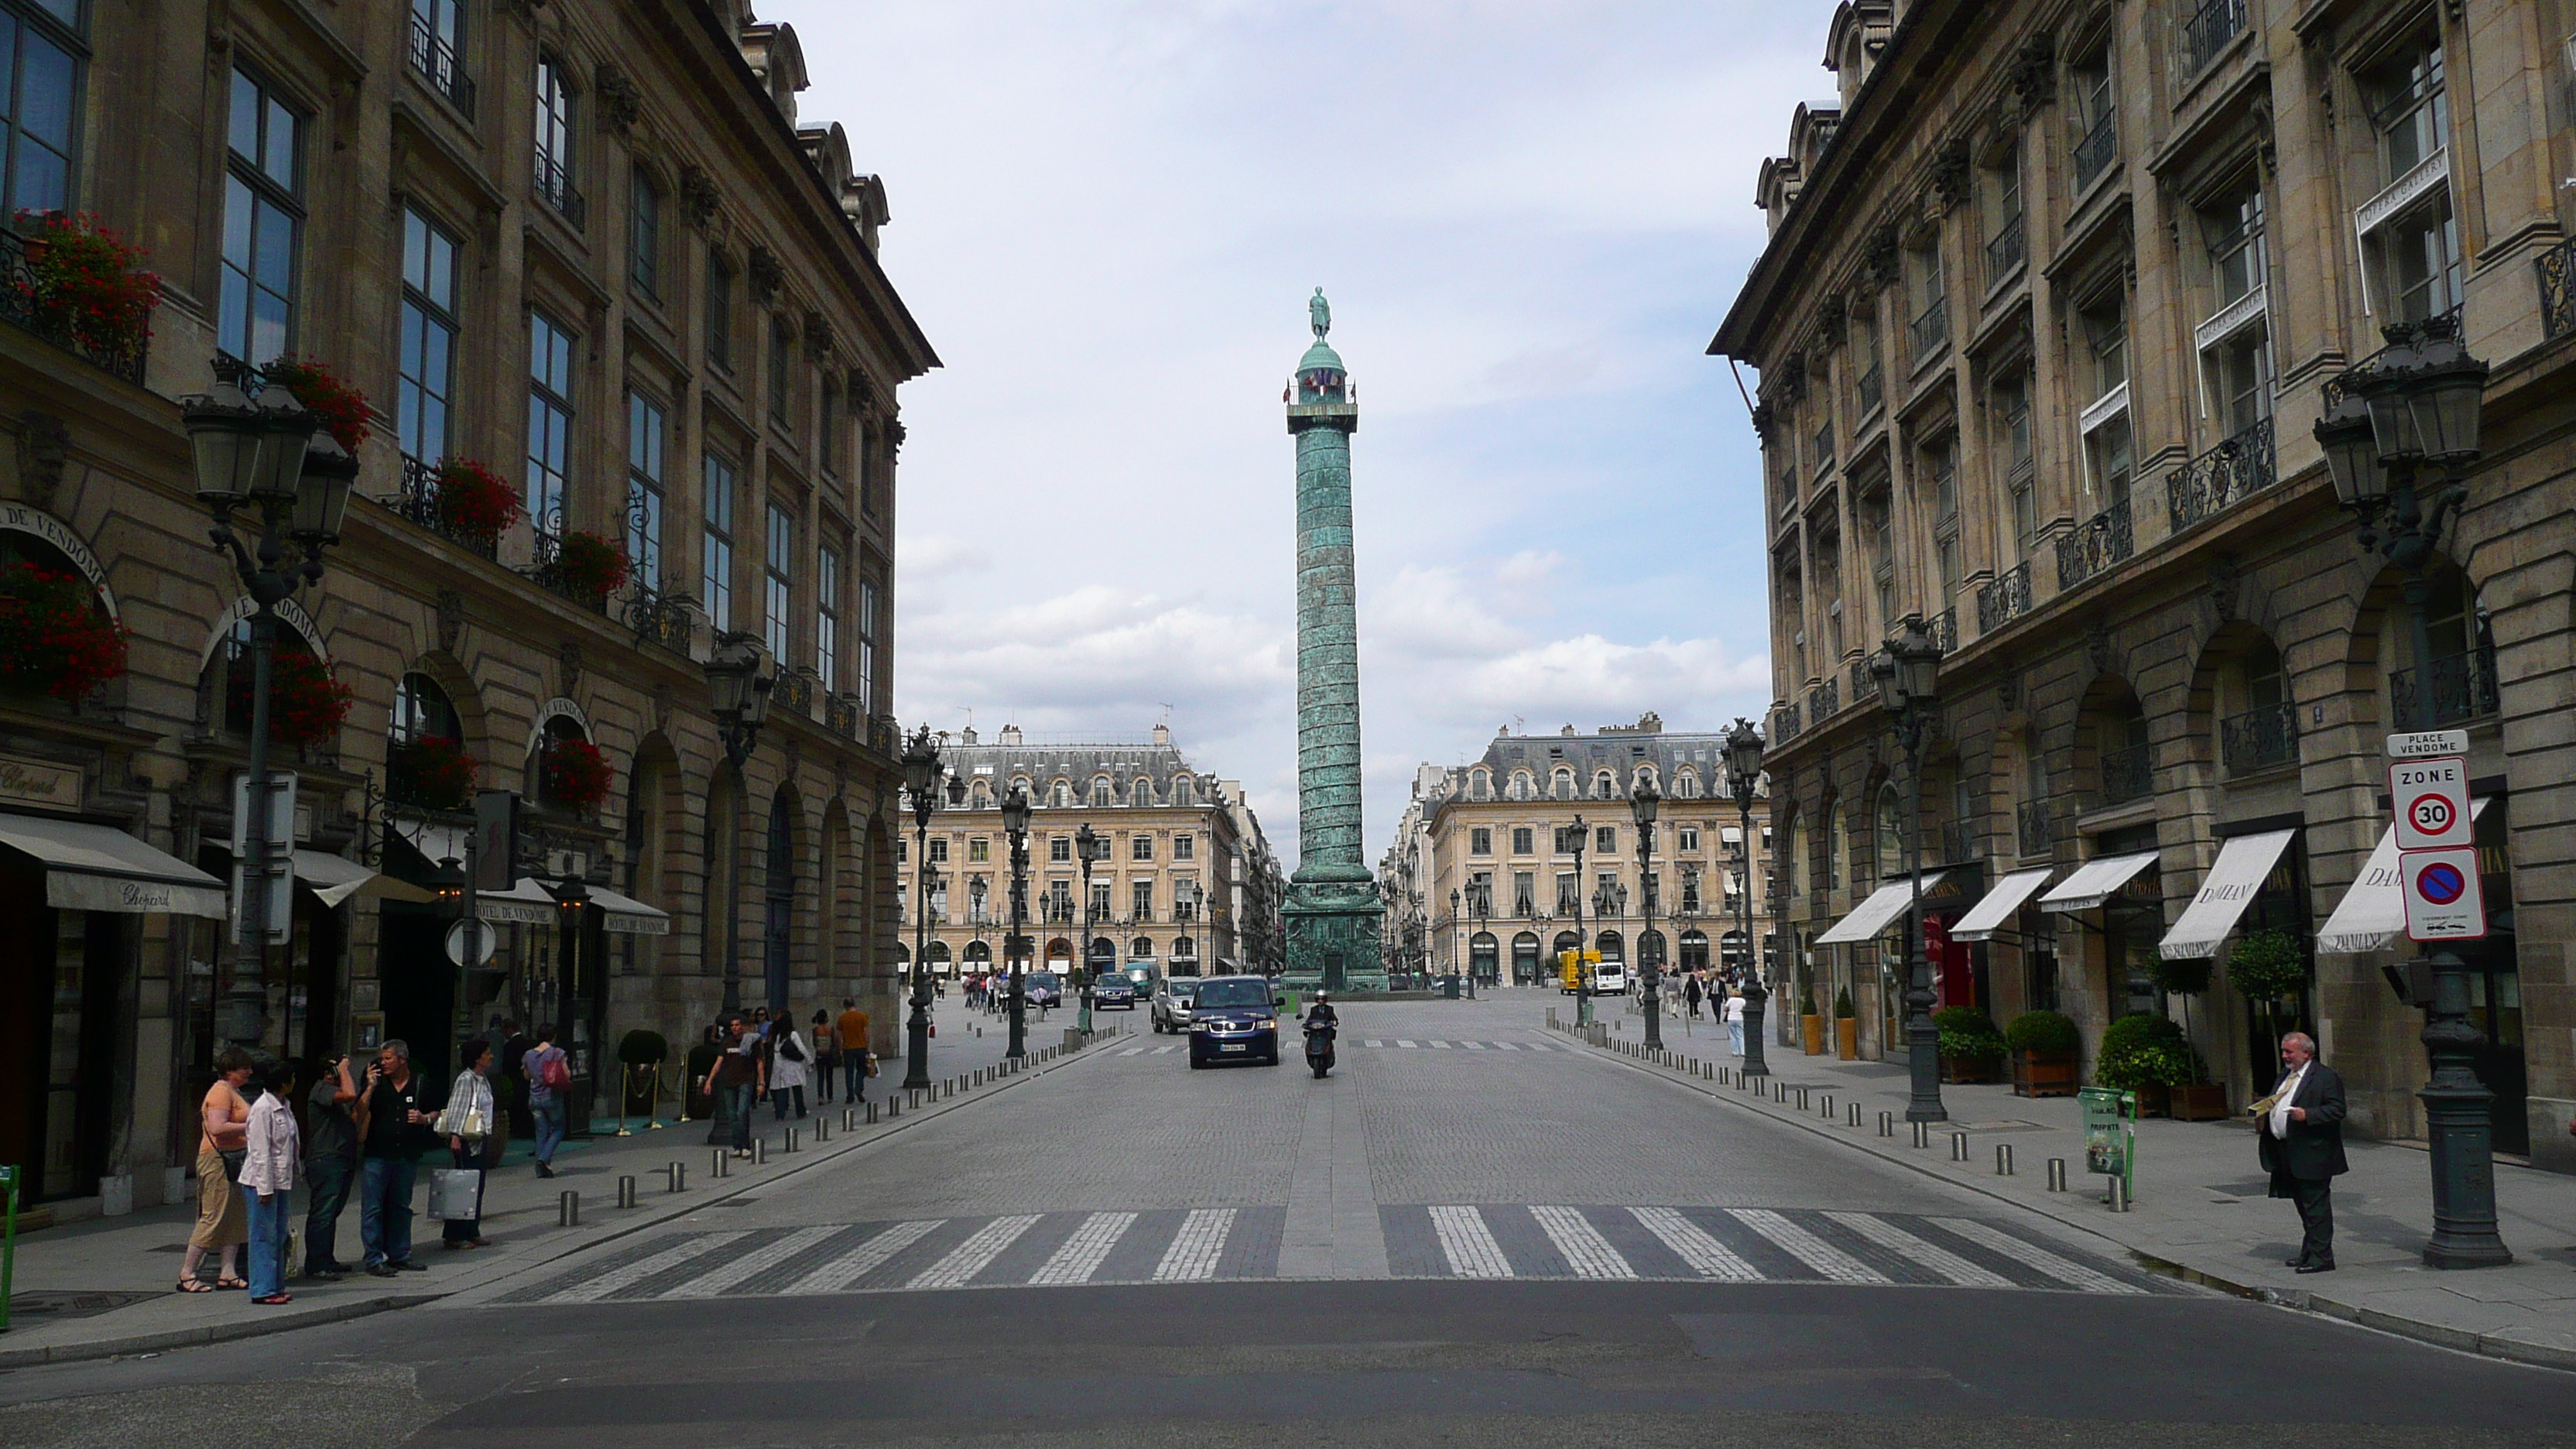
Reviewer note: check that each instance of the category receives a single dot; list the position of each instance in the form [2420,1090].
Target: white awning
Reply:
[2372,912]
[1999,906]
[629,916]
[525,903]
[1877,913]
[437,844]
[2233,879]
[2095,881]
[100,868]
[333,880]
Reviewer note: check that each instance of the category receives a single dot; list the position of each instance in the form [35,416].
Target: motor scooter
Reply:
[1319,1046]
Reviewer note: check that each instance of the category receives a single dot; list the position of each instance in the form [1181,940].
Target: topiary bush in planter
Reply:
[2043,1031]
[1970,1045]
[2142,1052]
[2046,1048]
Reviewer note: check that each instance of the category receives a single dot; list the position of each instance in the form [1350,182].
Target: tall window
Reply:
[1480,840]
[1142,894]
[715,556]
[438,49]
[1143,847]
[39,40]
[2418,241]
[645,431]
[2012,407]
[2234,235]
[865,666]
[719,312]
[644,235]
[827,617]
[2097,130]
[1524,893]
[549,422]
[779,585]
[782,376]
[1523,839]
[262,213]
[827,450]
[554,157]
[426,370]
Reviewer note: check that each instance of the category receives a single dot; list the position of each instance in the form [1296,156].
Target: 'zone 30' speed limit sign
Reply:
[2431,802]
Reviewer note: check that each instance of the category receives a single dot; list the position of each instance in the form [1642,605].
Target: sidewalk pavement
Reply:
[2201,1206]
[102,1287]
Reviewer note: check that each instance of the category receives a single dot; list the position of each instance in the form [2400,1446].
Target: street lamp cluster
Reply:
[1743,781]
[926,778]
[1908,673]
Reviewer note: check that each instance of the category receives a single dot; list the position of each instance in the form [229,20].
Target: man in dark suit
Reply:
[2301,1142]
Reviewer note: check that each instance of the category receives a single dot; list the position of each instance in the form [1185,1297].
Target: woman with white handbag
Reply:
[466,1122]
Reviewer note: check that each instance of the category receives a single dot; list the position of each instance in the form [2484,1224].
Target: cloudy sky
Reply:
[1530,216]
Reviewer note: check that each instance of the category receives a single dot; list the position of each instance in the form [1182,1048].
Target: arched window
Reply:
[1184,948]
[1561,785]
[1605,786]
[1838,852]
[1100,792]
[1061,797]
[1612,946]
[1789,860]
[1694,950]
[426,763]
[1521,784]
[1646,776]
[979,954]
[1143,793]
[1525,958]
[1184,791]
[1686,784]
[982,794]
[1567,941]
[1141,949]
[1480,786]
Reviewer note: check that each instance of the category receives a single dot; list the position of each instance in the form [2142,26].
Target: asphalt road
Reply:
[1470,1235]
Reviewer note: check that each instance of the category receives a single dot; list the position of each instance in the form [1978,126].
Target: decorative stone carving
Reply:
[766,275]
[44,450]
[451,619]
[619,102]
[1830,323]
[2034,73]
[665,701]
[818,333]
[1763,418]
[1881,256]
[2223,576]
[2099,648]
[697,194]
[2008,693]
[893,436]
[568,656]
[794,752]
[1950,173]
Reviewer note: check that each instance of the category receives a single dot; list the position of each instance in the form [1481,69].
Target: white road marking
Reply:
[1585,1250]
[2065,1270]
[1807,1248]
[864,1259]
[1473,1046]
[975,1254]
[1469,1244]
[1194,1253]
[1508,1046]
[1399,1041]
[1931,1255]
[642,1268]
[1442,1045]
[1133,1052]
[1161,1050]
[1693,1245]
[1083,1253]
[718,1279]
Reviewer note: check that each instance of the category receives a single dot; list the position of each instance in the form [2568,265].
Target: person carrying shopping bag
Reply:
[467,1123]
[790,1062]
[274,1151]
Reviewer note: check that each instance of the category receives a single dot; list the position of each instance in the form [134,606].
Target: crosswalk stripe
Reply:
[1469,1244]
[975,1254]
[1372,1041]
[1473,1046]
[743,1269]
[2031,1255]
[1807,1248]
[1509,1046]
[1081,1255]
[1162,1050]
[1540,1046]
[1693,1245]
[1585,1250]
[864,1259]
[1200,1243]
[1931,1255]
[1399,1041]
[642,1268]
[1133,1052]
[1441,1045]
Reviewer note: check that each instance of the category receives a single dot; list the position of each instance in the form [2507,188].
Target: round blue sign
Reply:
[2440,883]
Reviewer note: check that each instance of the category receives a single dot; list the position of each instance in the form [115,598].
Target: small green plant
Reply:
[1967,1031]
[640,1048]
[2043,1031]
[2144,1049]
[1843,1008]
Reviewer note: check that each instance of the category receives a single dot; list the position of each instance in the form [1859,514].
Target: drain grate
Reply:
[74,1303]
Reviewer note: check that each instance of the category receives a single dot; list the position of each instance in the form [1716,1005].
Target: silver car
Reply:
[1172,1004]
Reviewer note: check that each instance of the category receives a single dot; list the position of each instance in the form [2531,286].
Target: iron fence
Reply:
[2098,543]
[2464,688]
[1930,329]
[2127,774]
[23,308]
[2208,31]
[554,183]
[2004,252]
[2095,153]
[1871,389]
[2259,738]
[417,501]
[2004,600]
[438,64]
[2220,478]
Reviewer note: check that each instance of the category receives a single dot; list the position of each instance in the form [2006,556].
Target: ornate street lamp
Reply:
[922,774]
[1642,803]
[1015,824]
[1581,834]
[256,450]
[1090,845]
[1743,779]
[1908,672]
[2416,408]
[738,697]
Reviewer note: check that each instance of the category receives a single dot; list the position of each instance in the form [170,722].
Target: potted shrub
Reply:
[2195,1100]
[590,566]
[55,639]
[342,408]
[85,285]
[473,501]
[2268,967]
[575,775]
[1811,1027]
[306,702]
[1846,1026]
[2145,1053]
[431,771]
[640,1052]
[2046,1049]
[1970,1045]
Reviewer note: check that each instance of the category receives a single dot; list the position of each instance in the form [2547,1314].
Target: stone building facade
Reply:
[1183,889]
[593,247]
[2054,294]
[1539,823]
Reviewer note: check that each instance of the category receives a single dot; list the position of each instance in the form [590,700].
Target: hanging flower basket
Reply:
[54,637]
[473,502]
[434,772]
[306,702]
[342,408]
[575,774]
[85,283]
[591,566]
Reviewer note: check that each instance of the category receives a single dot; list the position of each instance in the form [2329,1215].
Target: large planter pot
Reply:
[1967,1070]
[2155,1099]
[2203,1102]
[1847,1038]
[2044,1074]
[1811,1032]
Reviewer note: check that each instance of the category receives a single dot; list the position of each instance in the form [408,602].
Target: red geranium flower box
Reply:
[576,774]
[55,637]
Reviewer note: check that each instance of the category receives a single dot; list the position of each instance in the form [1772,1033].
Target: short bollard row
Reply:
[1855,1112]
[626,1191]
[1886,1124]
[2057,1174]
[568,1209]
[1922,1133]
[679,1177]
[1958,1147]
[791,1144]
[2003,1159]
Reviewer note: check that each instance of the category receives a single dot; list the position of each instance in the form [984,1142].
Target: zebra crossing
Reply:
[1391,1043]
[1458,1240]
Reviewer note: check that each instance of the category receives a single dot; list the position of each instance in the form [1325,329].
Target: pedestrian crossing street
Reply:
[1397,1043]
[1485,1241]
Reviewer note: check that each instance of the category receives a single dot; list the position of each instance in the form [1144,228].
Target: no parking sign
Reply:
[2442,898]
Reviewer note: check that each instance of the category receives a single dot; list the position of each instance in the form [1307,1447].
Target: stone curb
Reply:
[2485,1345]
[575,1241]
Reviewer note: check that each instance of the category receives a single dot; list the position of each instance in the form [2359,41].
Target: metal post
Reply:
[1012,943]
[1650,978]
[568,1209]
[916,1070]
[626,1191]
[678,1175]
[2003,1159]
[1582,976]
[1082,948]
[1886,1124]
[1922,1039]
[2456,1108]
[247,1012]
[1755,994]
[2057,1174]
[720,1163]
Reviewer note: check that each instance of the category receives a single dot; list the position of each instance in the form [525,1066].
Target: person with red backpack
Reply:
[549,1088]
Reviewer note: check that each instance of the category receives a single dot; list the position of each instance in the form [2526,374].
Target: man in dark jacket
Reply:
[2300,1132]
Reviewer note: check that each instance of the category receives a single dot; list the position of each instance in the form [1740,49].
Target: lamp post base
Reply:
[916,1071]
[2456,1108]
[1755,999]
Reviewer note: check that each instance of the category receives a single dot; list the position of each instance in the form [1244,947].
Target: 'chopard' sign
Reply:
[36,782]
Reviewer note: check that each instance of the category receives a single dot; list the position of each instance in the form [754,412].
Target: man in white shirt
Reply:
[2300,1140]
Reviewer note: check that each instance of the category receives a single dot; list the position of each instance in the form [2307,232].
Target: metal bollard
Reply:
[1802,1099]
[759,1151]
[2057,1174]
[791,1141]
[1886,1124]
[626,1192]
[1958,1147]
[872,1114]
[2118,1197]
[722,1165]
[1827,1109]
[822,1129]
[1855,1113]
[568,1209]
[2003,1159]
[679,1176]
[1922,1133]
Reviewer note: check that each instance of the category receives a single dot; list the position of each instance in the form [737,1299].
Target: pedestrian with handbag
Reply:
[273,1151]
[827,1056]
[549,1074]
[222,1221]
[791,1061]
[466,1123]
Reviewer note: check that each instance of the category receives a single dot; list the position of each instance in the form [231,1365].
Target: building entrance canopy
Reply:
[1878,912]
[2233,879]
[2373,912]
[2095,881]
[629,916]
[1999,905]
[99,868]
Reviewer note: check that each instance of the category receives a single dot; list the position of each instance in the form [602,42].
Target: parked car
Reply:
[1234,1018]
[1113,991]
[1172,1005]
[1043,988]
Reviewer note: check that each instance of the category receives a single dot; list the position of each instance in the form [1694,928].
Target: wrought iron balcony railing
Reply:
[2095,153]
[417,500]
[2557,268]
[554,183]
[658,618]
[21,308]
[1930,329]
[2031,827]
[1825,699]
[841,715]
[1870,389]
[2464,688]
[1784,723]
[794,693]
[438,64]
[1824,449]
[2004,600]
[2207,32]
[1944,629]
[2004,252]
[2218,479]
[2259,738]
[2127,774]
[2100,542]
[1961,840]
